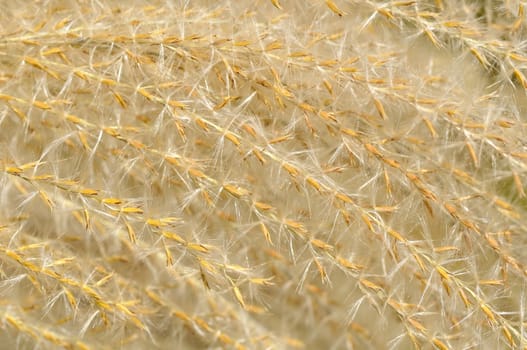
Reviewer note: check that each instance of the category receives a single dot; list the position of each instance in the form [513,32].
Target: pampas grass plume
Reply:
[269,174]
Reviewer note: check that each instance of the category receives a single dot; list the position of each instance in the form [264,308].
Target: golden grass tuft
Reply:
[320,174]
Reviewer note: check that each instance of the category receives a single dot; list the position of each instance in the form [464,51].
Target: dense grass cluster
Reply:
[269,174]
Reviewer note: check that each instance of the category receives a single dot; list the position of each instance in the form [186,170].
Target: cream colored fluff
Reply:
[263,174]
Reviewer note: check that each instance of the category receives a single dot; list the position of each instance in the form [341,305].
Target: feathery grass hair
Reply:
[269,174]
